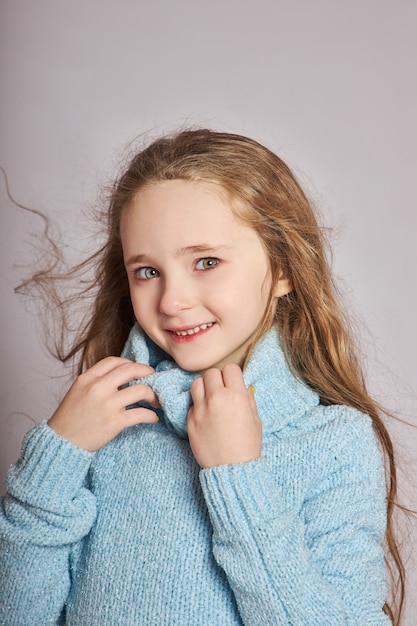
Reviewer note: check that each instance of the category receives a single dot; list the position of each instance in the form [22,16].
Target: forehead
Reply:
[184,209]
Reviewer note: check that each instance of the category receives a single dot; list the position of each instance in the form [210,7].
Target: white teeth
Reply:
[192,331]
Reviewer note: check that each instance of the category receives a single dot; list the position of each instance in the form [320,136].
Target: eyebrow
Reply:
[197,249]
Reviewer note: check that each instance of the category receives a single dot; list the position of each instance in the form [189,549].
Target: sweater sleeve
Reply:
[319,563]
[47,510]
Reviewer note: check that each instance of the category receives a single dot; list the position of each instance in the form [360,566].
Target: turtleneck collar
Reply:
[281,398]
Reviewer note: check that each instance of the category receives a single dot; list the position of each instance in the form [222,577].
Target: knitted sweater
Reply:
[137,534]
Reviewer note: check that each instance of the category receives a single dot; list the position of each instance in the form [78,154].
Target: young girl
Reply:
[228,467]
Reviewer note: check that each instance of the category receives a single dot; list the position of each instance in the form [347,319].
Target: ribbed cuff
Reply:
[241,497]
[50,471]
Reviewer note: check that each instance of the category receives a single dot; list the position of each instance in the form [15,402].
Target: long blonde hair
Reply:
[312,324]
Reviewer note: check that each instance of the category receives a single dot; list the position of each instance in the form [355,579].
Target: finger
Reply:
[197,390]
[251,396]
[212,380]
[233,376]
[126,372]
[139,416]
[106,365]
[137,392]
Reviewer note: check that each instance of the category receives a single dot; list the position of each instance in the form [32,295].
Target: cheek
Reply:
[246,300]
[141,306]
[259,288]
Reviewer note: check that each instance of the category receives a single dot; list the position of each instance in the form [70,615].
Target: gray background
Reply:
[329,85]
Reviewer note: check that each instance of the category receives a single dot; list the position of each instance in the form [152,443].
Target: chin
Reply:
[195,367]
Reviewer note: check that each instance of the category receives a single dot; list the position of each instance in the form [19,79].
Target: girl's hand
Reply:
[94,410]
[223,425]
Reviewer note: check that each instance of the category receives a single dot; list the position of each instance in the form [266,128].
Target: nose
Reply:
[176,295]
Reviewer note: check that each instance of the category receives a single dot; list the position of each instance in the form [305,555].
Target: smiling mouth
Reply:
[191,331]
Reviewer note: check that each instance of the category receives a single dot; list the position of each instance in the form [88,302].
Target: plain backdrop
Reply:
[329,85]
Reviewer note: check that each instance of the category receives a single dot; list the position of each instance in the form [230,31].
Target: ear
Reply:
[282,287]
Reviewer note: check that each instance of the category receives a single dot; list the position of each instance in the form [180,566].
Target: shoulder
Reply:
[346,438]
[349,445]
[350,433]
[341,419]
[341,425]
[330,445]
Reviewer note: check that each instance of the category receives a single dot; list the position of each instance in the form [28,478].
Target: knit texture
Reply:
[136,534]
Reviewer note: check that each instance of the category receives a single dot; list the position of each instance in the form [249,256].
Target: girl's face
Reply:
[199,278]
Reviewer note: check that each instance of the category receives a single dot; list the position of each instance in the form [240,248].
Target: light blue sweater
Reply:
[136,534]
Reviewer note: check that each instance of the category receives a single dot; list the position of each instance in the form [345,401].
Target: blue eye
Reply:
[207,264]
[145,273]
